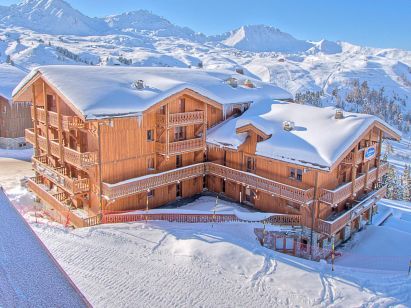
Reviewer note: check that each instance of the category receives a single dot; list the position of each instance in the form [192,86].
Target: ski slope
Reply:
[29,277]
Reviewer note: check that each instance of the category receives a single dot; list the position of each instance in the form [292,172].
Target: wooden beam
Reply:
[36,139]
[378,157]
[46,114]
[60,130]
[367,163]
[354,172]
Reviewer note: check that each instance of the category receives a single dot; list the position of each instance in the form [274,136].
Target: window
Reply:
[179,133]
[223,188]
[250,164]
[51,103]
[296,174]
[150,163]
[179,161]
[150,193]
[299,175]
[163,109]
[150,135]
[4,109]
[213,110]
[182,105]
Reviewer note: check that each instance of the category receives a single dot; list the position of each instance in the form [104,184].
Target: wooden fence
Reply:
[289,220]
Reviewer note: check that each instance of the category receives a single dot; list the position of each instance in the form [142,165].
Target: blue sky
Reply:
[379,23]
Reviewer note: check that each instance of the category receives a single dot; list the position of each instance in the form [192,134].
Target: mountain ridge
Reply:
[141,38]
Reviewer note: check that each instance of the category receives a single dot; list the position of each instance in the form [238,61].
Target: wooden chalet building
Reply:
[14,118]
[117,139]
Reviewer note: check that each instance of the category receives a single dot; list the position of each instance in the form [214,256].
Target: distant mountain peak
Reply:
[260,38]
[49,16]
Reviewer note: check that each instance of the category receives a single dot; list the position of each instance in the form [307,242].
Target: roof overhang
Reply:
[250,127]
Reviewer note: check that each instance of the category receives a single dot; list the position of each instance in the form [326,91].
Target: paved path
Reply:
[29,276]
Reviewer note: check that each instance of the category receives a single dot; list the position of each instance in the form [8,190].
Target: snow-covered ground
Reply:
[170,264]
[401,153]
[385,247]
[29,277]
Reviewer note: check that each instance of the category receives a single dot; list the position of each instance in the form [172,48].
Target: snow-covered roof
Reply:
[10,76]
[101,91]
[317,140]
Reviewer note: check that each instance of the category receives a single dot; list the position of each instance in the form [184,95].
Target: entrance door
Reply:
[178,190]
[249,196]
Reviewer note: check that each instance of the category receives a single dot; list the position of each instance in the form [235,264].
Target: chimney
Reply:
[288,126]
[232,82]
[139,84]
[239,70]
[339,114]
[248,83]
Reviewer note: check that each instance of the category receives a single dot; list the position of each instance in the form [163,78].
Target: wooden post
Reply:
[100,167]
[367,164]
[60,131]
[314,210]
[36,139]
[167,129]
[46,115]
[354,171]
[378,157]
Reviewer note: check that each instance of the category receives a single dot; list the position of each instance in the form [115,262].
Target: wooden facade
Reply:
[145,161]
[14,118]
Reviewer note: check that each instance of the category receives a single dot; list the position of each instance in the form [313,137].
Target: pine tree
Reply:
[393,186]
[406,183]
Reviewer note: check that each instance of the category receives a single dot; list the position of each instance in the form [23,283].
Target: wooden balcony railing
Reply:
[59,176]
[180,119]
[178,147]
[80,160]
[68,122]
[144,183]
[260,183]
[331,227]
[343,192]
[56,201]
[349,159]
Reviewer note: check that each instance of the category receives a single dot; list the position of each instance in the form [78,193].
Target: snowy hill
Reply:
[143,21]
[260,38]
[40,32]
[49,16]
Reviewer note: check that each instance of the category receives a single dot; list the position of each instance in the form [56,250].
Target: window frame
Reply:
[150,163]
[150,132]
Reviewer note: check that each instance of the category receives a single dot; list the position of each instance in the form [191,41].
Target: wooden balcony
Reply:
[344,191]
[73,157]
[59,176]
[144,183]
[349,159]
[179,147]
[148,182]
[180,119]
[330,227]
[68,122]
[58,202]
[276,188]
